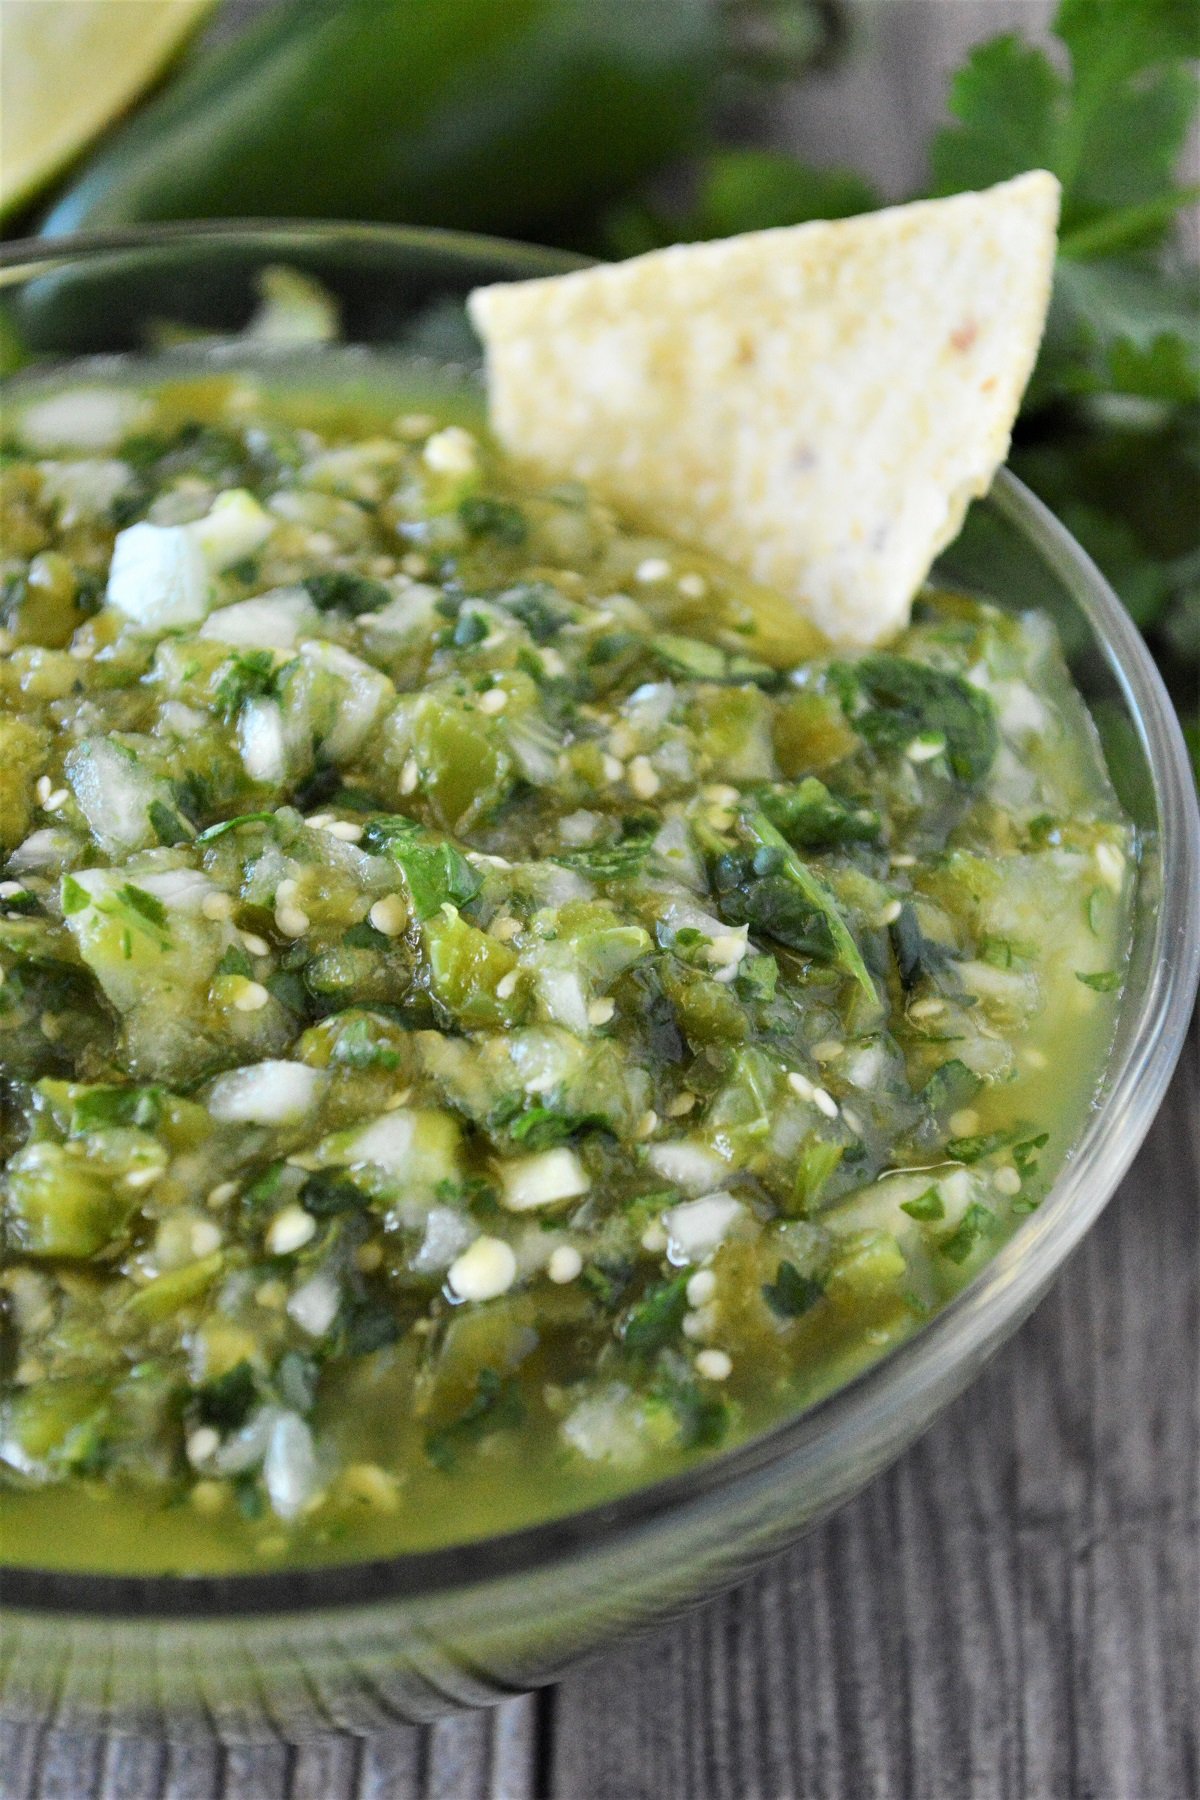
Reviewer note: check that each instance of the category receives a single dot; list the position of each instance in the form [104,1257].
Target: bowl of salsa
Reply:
[530,1073]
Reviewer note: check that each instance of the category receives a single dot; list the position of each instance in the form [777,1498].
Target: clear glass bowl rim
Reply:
[970,1326]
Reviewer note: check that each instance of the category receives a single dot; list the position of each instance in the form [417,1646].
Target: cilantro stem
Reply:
[1119,230]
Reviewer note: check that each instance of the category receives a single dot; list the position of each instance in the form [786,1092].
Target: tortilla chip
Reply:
[817,404]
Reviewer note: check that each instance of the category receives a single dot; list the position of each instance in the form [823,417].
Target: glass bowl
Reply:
[362,1647]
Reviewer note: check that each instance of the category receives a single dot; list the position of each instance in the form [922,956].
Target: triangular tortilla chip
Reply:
[816,404]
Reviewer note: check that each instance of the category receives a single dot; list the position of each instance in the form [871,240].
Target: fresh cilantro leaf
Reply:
[343,590]
[329,1191]
[247,675]
[974,1148]
[1105,981]
[218,831]
[367,1325]
[364,936]
[145,905]
[541,1127]
[98,1108]
[811,818]
[496,519]
[950,1086]
[234,961]
[470,628]
[622,861]
[494,1406]
[75,897]
[1111,128]
[1025,1156]
[656,1317]
[918,958]
[227,1401]
[538,606]
[815,1165]
[701,1416]
[167,826]
[906,700]
[928,1205]
[1122,327]
[791,1294]
[977,1223]
[782,860]
[360,1047]
[435,871]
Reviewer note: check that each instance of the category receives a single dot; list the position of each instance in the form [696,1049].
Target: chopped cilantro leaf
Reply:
[248,675]
[907,701]
[977,1223]
[168,827]
[435,871]
[1105,981]
[494,1406]
[792,1293]
[344,591]
[928,1205]
[496,519]
[654,1320]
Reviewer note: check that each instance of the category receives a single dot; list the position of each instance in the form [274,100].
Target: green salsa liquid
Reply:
[495,1009]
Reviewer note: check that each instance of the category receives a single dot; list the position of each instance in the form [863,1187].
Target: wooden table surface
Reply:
[1012,1612]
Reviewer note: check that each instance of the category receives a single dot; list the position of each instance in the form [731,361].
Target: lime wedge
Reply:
[67,69]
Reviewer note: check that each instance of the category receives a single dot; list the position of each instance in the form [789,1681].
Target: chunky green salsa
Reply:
[492,1008]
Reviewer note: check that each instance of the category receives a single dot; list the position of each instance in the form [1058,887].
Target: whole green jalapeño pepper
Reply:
[505,115]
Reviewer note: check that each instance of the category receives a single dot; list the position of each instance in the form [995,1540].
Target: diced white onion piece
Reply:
[580,828]
[880,1206]
[1018,708]
[85,488]
[420,1145]
[447,1232]
[290,1466]
[261,741]
[114,795]
[649,706]
[541,1180]
[234,527]
[411,612]
[687,1165]
[698,1226]
[294,309]
[484,1271]
[45,849]
[91,418]
[271,621]
[314,1305]
[180,890]
[674,845]
[158,577]
[266,1093]
[362,695]
[247,1446]
[606,1427]
[534,749]
[560,991]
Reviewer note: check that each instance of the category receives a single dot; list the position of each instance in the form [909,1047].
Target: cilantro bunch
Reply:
[1109,433]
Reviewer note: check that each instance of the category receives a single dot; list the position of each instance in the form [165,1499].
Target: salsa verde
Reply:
[493,1007]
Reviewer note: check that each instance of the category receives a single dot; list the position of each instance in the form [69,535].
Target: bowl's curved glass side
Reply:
[392,287]
[418,1636]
